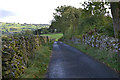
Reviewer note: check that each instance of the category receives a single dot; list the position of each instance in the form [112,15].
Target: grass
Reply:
[54,36]
[20,27]
[108,58]
[37,65]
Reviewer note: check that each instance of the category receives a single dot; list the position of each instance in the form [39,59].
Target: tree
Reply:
[66,20]
[94,17]
[115,10]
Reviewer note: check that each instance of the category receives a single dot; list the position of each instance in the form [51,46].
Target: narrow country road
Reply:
[68,62]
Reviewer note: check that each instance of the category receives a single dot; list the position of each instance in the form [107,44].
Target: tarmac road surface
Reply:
[68,62]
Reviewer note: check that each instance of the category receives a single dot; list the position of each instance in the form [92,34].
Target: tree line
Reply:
[94,17]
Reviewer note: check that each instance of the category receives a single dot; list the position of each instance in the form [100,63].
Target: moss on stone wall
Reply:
[16,51]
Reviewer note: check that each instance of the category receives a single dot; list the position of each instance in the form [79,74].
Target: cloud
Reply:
[32,11]
[5,13]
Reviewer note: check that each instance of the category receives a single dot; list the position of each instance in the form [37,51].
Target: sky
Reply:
[32,11]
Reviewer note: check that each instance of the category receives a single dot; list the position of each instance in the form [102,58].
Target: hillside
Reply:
[10,28]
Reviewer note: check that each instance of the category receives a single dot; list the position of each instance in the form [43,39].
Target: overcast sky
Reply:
[32,11]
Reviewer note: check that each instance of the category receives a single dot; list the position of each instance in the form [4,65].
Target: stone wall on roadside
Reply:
[16,52]
[99,41]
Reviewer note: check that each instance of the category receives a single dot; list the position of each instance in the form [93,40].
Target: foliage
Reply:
[94,17]
[66,20]
[37,65]
[94,8]
[73,21]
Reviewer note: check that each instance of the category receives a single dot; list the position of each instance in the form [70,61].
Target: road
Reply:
[68,62]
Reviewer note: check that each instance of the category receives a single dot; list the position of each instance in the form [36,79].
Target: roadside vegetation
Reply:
[38,65]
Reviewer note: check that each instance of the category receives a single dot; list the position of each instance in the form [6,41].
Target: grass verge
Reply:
[37,65]
[54,35]
[106,57]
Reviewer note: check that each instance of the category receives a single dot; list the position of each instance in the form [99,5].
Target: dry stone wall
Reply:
[99,41]
[16,52]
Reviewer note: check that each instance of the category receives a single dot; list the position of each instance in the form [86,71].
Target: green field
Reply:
[54,36]
[14,27]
